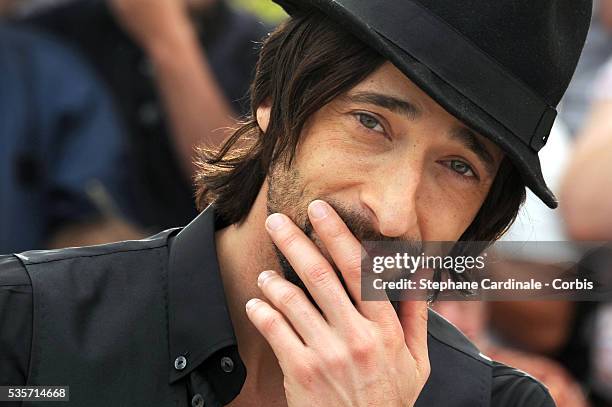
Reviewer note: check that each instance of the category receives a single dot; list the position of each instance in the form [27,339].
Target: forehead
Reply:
[390,80]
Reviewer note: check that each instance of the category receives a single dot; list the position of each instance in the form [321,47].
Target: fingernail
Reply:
[251,302]
[318,209]
[275,221]
[263,276]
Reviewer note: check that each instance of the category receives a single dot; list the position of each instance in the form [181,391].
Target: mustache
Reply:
[362,228]
[372,243]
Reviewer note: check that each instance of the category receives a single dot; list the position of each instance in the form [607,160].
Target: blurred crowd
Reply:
[103,103]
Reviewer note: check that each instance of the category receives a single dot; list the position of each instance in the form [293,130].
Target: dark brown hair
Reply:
[303,65]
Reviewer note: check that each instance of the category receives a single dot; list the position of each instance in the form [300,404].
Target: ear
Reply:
[263,115]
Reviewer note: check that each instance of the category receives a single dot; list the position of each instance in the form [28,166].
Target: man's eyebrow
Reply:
[469,139]
[391,103]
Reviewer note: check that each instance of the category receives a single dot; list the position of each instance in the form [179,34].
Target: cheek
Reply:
[444,215]
[332,162]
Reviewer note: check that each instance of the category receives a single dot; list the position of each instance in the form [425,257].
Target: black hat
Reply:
[499,66]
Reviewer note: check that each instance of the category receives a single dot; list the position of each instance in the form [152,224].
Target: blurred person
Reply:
[605,13]
[472,317]
[178,70]
[539,326]
[576,103]
[587,207]
[586,194]
[560,330]
[59,138]
[601,356]
[24,7]
[8,7]
[570,332]
[341,111]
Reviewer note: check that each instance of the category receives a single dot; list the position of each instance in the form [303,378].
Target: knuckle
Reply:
[289,240]
[393,336]
[304,370]
[335,359]
[395,343]
[269,323]
[289,296]
[353,264]
[318,273]
[362,349]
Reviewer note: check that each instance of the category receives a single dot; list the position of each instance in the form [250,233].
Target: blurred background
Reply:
[265,9]
[103,102]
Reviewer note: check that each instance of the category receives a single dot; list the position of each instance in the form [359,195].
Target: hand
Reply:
[152,21]
[350,355]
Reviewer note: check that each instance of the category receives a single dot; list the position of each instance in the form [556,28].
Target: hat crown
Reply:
[538,41]
[499,66]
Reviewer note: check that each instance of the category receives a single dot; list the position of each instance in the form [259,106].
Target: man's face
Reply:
[391,161]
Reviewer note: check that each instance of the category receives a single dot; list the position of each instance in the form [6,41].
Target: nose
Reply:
[392,200]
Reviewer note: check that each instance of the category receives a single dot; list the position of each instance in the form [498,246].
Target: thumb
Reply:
[413,317]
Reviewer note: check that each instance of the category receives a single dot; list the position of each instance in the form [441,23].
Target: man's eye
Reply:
[370,122]
[461,168]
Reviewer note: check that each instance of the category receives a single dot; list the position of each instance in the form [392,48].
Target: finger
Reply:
[274,328]
[291,301]
[311,266]
[413,318]
[345,251]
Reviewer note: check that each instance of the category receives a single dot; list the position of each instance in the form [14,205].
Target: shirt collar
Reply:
[198,317]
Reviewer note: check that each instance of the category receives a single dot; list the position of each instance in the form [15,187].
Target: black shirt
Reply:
[189,311]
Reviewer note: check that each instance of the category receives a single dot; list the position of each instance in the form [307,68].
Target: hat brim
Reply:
[524,158]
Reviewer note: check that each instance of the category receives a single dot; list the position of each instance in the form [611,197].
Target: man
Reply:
[178,71]
[342,146]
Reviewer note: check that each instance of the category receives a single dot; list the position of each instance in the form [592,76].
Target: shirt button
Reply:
[227,364]
[197,401]
[180,363]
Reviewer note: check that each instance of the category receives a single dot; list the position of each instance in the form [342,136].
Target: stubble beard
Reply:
[286,194]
